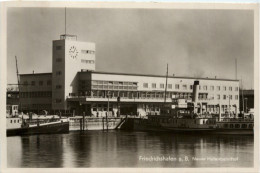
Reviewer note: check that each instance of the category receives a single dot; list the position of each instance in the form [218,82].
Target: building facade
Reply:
[75,87]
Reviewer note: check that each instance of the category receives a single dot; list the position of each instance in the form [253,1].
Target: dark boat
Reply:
[20,127]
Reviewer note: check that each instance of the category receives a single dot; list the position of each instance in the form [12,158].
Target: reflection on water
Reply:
[129,149]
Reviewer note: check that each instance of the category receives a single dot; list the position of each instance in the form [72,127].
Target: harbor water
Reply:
[129,149]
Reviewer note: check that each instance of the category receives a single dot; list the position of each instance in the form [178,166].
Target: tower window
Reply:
[58,60]
[40,83]
[58,86]
[49,82]
[58,47]
[58,73]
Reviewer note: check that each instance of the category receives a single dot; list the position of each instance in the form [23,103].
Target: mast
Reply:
[236,67]
[243,103]
[65,19]
[166,85]
[17,72]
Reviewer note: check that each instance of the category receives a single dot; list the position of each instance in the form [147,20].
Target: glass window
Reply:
[58,73]
[191,87]
[218,88]
[184,87]
[40,83]
[218,97]
[236,89]
[170,86]
[211,88]
[153,85]
[224,88]
[205,87]
[161,85]
[145,85]
[224,97]
[236,97]
[49,82]
[177,86]
[58,60]
[58,47]
[230,88]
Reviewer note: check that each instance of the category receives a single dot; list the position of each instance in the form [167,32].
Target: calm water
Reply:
[129,149]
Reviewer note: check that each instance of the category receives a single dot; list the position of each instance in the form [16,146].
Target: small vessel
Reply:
[23,125]
[235,126]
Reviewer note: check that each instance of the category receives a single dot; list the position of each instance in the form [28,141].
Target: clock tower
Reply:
[69,57]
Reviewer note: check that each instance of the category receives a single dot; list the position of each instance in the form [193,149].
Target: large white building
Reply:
[75,87]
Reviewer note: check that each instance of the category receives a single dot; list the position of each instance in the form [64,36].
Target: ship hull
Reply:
[43,129]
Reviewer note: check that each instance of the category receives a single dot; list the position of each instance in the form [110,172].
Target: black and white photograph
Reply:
[128,85]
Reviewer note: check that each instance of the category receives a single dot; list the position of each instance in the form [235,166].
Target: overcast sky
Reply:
[195,43]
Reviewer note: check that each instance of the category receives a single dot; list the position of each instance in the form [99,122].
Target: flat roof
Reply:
[152,75]
[31,74]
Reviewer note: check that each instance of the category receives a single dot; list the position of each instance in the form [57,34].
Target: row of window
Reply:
[36,106]
[35,94]
[39,83]
[140,94]
[82,51]
[185,87]
[119,83]
[88,61]
[88,51]
[101,87]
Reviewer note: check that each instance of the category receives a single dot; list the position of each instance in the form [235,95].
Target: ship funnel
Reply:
[195,91]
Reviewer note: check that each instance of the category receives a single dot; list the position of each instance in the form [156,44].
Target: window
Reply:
[177,86]
[170,86]
[153,85]
[161,85]
[218,88]
[58,47]
[49,82]
[33,83]
[236,89]
[224,97]
[58,86]
[58,73]
[184,87]
[230,88]
[212,88]
[218,97]
[224,88]
[236,97]
[87,51]
[145,85]
[230,97]
[25,83]
[205,87]
[191,87]
[40,83]
[58,60]
[58,100]
[88,61]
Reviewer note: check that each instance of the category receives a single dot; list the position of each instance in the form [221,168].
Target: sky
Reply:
[195,43]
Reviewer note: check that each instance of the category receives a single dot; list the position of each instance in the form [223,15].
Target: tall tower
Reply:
[69,56]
